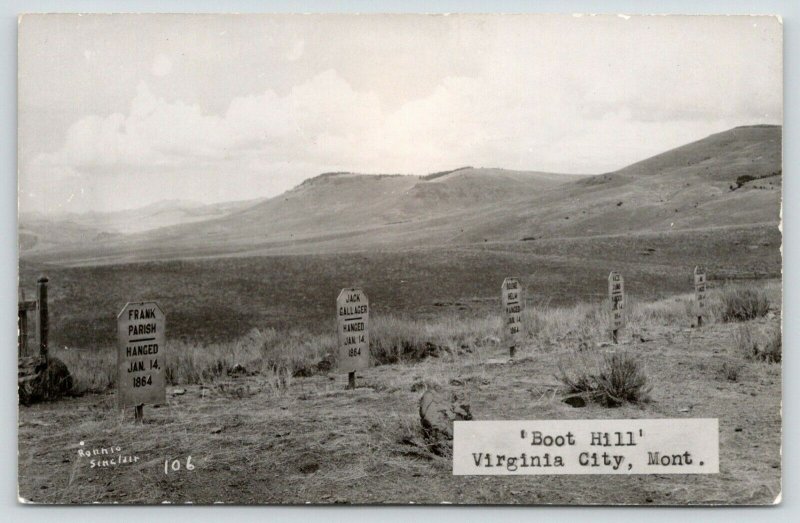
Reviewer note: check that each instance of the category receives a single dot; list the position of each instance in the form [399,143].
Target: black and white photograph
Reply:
[370,259]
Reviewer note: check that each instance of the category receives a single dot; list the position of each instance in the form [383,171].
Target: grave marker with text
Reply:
[141,355]
[352,314]
[513,303]
[616,294]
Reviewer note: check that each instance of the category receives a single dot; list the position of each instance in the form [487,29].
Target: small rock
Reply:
[178,392]
[576,401]
[437,418]
[737,429]
[217,430]
[684,409]
[309,468]
[237,370]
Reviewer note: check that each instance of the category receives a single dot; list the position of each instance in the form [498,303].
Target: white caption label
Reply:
[631,446]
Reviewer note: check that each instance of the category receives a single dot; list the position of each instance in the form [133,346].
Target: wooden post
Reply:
[512,350]
[43,326]
[351,380]
[616,295]
[139,414]
[22,323]
[700,293]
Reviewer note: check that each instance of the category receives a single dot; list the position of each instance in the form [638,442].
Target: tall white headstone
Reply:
[352,313]
[141,355]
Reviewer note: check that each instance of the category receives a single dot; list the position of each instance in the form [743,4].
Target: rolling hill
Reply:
[731,178]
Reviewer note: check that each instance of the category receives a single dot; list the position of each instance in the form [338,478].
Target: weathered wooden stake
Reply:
[616,295]
[139,414]
[43,327]
[23,331]
[512,350]
[700,293]
[351,380]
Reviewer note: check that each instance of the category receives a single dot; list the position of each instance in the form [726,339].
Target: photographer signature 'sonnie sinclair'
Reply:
[106,456]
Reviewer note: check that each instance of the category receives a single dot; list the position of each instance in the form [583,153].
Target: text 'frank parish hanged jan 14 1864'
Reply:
[141,356]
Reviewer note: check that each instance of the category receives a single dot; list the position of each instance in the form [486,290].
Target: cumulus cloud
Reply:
[585,98]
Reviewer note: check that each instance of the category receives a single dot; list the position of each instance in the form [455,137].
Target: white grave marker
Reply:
[513,302]
[616,293]
[141,355]
[352,314]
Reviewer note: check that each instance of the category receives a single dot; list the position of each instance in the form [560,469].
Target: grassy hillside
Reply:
[728,179]
[69,231]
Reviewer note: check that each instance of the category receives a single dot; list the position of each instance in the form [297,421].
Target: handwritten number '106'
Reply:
[176,465]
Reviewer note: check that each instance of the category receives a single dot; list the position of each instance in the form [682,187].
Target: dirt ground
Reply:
[315,442]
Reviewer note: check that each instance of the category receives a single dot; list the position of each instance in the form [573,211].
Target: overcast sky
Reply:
[122,111]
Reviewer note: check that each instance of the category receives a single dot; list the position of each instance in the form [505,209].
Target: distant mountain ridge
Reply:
[692,186]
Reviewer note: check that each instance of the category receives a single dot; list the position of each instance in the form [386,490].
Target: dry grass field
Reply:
[257,433]
[212,300]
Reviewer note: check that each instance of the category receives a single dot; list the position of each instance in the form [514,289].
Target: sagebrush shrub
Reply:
[760,346]
[610,379]
[742,304]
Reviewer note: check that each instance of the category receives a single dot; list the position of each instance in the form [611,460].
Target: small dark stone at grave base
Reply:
[753,394]
[43,487]
[65,460]
[649,500]
[309,468]
[575,401]
[737,429]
